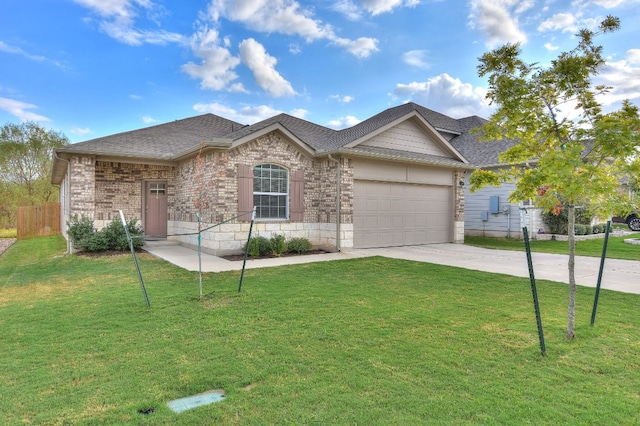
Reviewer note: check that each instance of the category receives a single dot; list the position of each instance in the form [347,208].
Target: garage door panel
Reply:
[395,214]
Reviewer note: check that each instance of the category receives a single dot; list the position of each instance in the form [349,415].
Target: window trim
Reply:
[287,195]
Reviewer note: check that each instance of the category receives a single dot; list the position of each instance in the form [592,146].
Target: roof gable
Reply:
[409,133]
[407,136]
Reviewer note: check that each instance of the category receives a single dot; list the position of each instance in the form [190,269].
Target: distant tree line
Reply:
[26,154]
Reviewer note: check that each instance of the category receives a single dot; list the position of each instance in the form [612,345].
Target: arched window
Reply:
[271,191]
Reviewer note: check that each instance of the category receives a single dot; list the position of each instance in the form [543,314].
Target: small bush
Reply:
[581,229]
[278,244]
[116,236]
[80,230]
[84,236]
[96,242]
[299,245]
[558,224]
[258,246]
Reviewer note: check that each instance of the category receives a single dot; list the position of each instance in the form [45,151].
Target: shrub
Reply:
[299,245]
[581,229]
[80,230]
[96,242]
[116,236]
[558,224]
[84,236]
[258,246]
[278,244]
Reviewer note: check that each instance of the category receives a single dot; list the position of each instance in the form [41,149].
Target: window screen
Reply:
[270,191]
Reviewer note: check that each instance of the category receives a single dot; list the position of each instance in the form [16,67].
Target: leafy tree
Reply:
[566,149]
[26,152]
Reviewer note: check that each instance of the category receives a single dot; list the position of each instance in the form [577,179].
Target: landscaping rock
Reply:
[5,243]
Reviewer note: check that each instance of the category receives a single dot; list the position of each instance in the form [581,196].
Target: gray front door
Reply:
[155,209]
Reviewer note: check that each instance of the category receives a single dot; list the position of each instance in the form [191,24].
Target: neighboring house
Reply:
[488,211]
[394,179]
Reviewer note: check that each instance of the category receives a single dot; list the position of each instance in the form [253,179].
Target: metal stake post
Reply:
[604,255]
[534,291]
[135,259]
[199,255]
[246,250]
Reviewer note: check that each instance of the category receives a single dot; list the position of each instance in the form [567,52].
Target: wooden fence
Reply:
[38,221]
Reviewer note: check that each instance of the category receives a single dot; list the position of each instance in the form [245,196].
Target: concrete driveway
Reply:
[618,275]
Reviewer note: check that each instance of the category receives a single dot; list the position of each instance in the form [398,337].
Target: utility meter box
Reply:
[494,204]
[484,214]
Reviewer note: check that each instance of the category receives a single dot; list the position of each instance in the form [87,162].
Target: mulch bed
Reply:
[236,257]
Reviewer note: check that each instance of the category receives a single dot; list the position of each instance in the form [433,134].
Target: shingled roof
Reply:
[478,153]
[161,142]
[173,140]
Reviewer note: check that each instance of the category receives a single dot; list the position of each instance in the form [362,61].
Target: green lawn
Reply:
[616,248]
[365,341]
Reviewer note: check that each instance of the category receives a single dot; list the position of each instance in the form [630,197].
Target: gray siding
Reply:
[500,224]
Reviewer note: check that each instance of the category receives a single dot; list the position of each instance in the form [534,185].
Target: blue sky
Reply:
[90,68]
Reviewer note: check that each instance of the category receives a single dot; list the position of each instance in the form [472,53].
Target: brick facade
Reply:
[220,177]
[98,189]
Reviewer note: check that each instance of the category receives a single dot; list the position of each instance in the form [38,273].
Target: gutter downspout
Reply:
[67,194]
[338,200]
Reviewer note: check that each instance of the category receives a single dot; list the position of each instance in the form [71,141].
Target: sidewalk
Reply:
[618,275]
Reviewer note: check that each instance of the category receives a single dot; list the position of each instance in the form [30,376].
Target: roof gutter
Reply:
[377,156]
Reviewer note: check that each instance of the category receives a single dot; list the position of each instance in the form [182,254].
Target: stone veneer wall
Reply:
[220,176]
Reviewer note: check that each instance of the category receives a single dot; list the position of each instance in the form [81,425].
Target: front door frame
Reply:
[149,208]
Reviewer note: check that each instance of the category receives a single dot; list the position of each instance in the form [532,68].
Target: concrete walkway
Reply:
[618,275]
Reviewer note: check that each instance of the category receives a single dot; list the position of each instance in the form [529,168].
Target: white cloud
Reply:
[362,47]
[148,119]
[566,22]
[263,66]
[416,58]
[353,12]
[117,19]
[624,77]
[342,99]
[4,47]
[497,21]
[216,70]
[286,17]
[348,9]
[376,7]
[633,56]
[19,110]
[550,46]
[80,131]
[447,95]
[610,4]
[343,122]
[247,114]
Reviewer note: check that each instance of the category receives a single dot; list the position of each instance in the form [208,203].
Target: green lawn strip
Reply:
[370,340]
[616,248]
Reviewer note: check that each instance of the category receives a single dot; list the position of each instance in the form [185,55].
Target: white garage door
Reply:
[390,214]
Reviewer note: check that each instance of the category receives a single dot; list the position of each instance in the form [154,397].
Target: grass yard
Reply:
[616,248]
[365,341]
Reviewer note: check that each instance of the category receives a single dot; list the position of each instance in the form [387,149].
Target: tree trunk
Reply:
[572,276]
